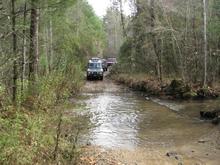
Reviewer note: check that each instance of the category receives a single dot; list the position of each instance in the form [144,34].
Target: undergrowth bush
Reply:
[30,137]
[24,136]
[28,134]
[53,88]
[4,100]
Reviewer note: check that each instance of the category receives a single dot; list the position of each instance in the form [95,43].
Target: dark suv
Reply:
[95,70]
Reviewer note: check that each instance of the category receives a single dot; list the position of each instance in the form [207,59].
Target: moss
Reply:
[189,95]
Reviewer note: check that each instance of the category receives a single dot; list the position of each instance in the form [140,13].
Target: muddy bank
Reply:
[169,89]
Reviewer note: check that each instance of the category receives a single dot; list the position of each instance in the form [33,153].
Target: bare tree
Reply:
[33,58]
[50,56]
[14,43]
[24,51]
[156,43]
[122,18]
[205,42]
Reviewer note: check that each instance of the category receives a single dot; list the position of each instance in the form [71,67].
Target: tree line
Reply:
[173,38]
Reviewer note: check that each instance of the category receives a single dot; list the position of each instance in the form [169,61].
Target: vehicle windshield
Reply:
[95,66]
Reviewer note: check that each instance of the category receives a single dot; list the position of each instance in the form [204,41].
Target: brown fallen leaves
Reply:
[96,156]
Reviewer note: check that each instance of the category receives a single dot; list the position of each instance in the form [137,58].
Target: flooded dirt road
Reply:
[134,130]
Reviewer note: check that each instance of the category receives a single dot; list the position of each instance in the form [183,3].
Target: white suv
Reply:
[95,70]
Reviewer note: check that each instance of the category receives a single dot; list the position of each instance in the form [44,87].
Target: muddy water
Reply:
[124,119]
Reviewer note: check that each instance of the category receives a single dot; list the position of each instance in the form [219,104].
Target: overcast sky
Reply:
[100,6]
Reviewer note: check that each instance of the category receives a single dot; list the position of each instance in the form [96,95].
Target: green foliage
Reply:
[57,86]
[23,137]
[169,37]
[113,28]
[214,24]
[84,35]
[69,33]
[4,99]
[30,137]
[125,57]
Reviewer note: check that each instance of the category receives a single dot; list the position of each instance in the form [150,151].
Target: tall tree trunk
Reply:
[33,58]
[37,43]
[51,45]
[122,18]
[186,40]
[154,40]
[46,49]
[195,44]
[24,51]
[205,42]
[176,45]
[160,59]
[14,42]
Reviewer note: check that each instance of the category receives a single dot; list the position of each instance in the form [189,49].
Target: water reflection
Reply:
[124,119]
[115,118]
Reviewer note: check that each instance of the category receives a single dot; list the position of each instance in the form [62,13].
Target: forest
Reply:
[43,41]
[45,46]
[177,39]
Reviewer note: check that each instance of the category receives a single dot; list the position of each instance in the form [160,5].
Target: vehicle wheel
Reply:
[87,78]
[101,78]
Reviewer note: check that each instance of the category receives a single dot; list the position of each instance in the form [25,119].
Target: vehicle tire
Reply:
[101,78]
[87,78]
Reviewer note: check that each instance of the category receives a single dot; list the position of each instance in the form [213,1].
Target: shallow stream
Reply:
[122,118]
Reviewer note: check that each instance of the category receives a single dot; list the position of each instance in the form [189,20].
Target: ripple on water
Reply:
[124,119]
